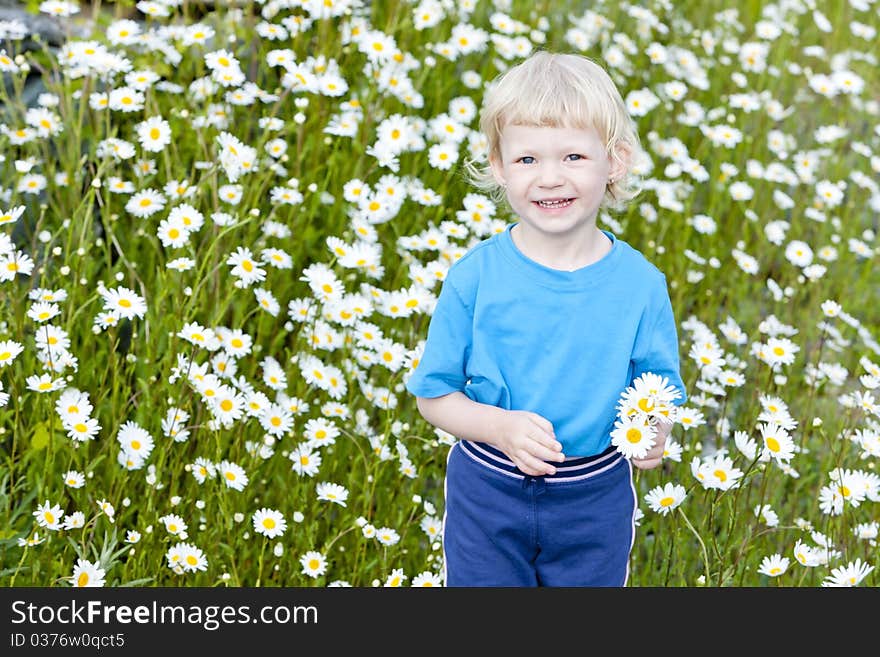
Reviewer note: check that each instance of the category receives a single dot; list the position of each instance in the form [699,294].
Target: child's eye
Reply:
[527,159]
[575,157]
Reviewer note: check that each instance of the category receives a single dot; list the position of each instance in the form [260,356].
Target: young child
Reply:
[536,332]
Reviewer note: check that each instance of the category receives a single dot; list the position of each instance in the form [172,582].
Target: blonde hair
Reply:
[558,90]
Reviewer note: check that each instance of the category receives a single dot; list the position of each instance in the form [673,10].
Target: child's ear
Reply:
[495,168]
[620,159]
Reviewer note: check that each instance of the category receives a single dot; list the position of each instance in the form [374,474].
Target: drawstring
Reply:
[537,481]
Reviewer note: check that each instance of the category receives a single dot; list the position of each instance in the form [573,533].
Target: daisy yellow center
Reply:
[226,405]
[145,202]
[125,303]
[49,516]
[314,564]
[775,570]
[721,475]
[667,501]
[45,124]
[174,233]
[236,342]
[83,579]
[135,444]
[304,460]
[845,491]
[772,444]
[633,435]
[45,385]
[230,476]
[80,427]
[247,266]
[275,421]
[646,405]
[191,560]
[269,523]
[155,133]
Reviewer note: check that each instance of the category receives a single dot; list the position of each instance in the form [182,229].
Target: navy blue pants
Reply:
[504,528]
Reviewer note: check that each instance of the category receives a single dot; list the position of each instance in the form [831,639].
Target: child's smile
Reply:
[552,205]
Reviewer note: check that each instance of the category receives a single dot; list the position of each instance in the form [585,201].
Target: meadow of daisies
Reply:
[223,230]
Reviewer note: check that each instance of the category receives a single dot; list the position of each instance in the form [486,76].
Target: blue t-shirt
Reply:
[510,332]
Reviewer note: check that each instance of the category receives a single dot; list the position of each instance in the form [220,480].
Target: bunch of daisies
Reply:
[644,405]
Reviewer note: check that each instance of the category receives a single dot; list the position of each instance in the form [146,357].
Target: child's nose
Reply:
[549,176]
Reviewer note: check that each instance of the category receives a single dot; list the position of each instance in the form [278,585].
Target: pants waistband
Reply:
[573,469]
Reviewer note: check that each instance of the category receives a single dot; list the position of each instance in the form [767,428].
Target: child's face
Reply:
[555,178]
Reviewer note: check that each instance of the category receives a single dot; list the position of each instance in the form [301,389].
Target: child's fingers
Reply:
[548,452]
[545,447]
[542,423]
[534,466]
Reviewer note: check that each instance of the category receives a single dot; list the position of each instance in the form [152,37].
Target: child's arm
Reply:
[526,437]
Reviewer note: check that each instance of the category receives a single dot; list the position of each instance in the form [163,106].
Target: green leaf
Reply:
[40,438]
[7,533]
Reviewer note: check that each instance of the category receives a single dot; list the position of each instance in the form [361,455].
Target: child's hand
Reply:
[654,456]
[528,439]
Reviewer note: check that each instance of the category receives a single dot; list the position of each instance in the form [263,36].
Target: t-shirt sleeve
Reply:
[441,369]
[656,346]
